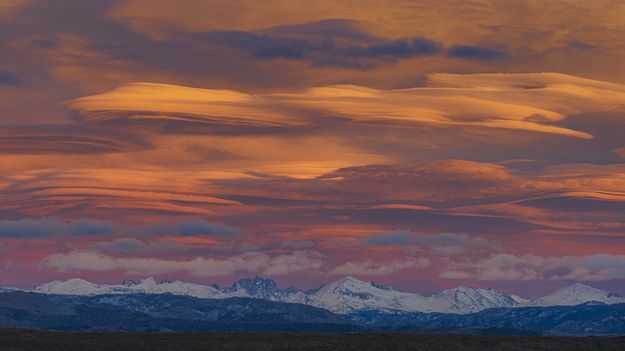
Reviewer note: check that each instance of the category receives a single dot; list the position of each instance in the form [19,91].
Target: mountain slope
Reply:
[585,319]
[167,312]
[161,312]
[343,296]
[350,294]
[263,288]
[577,294]
[464,300]
[147,286]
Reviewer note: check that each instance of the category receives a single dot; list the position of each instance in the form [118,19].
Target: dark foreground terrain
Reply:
[25,339]
[173,313]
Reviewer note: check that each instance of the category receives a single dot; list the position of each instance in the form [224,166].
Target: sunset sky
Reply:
[423,144]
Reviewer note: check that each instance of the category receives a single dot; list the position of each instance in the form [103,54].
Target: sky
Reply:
[423,144]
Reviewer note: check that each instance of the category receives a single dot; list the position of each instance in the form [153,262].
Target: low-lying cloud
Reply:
[257,262]
[503,267]
[371,267]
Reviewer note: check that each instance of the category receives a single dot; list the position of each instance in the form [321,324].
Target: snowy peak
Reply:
[150,286]
[520,300]
[350,294]
[74,286]
[263,288]
[258,287]
[345,295]
[351,286]
[350,283]
[464,299]
[577,294]
[129,282]
[385,287]
[78,286]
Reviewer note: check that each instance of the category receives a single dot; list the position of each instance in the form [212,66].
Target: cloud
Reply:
[9,6]
[595,267]
[433,197]
[455,275]
[298,261]
[157,103]
[120,245]
[407,238]
[130,245]
[82,260]
[475,52]
[45,227]
[297,244]
[9,79]
[448,250]
[444,244]
[580,46]
[371,267]
[325,43]
[42,142]
[488,102]
[189,228]
[54,226]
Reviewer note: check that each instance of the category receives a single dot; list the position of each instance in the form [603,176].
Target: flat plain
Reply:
[32,340]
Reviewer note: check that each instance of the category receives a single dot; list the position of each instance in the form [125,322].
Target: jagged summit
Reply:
[385,287]
[263,288]
[129,282]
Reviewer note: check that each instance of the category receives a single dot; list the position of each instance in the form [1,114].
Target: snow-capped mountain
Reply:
[266,289]
[351,294]
[520,300]
[462,300]
[343,296]
[4,289]
[577,294]
[78,286]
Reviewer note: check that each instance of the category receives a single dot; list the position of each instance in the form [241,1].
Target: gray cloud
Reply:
[318,43]
[504,266]
[476,52]
[9,79]
[53,226]
[444,244]
[84,260]
[189,228]
[45,227]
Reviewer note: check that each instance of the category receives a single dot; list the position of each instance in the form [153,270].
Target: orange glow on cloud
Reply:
[306,138]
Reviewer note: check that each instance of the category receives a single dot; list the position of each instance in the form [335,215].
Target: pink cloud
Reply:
[508,267]
[371,267]
[83,260]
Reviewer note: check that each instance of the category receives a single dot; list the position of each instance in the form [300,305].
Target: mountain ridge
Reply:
[177,313]
[343,296]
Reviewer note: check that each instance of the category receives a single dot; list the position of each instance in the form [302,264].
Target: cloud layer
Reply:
[417,143]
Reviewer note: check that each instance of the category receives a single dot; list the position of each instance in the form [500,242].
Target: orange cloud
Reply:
[9,6]
[528,102]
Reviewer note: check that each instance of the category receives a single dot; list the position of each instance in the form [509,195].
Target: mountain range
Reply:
[344,296]
[138,312]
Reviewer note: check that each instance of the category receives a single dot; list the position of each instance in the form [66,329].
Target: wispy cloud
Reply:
[46,227]
[596,267]
[298,261]
[370,267]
